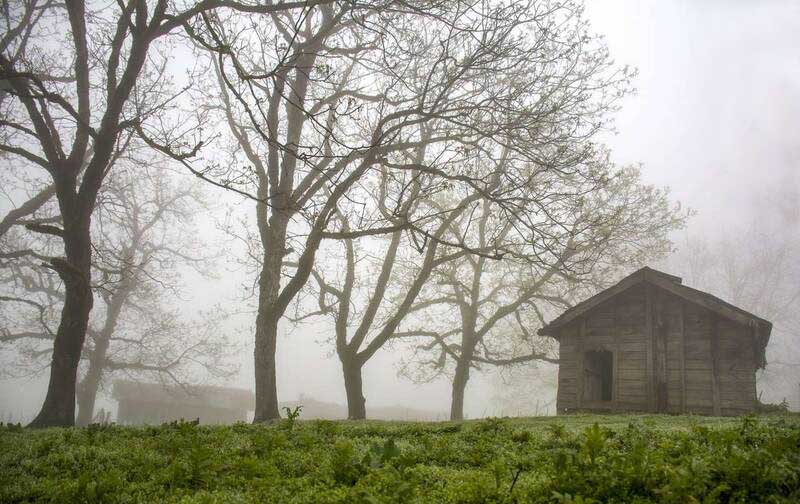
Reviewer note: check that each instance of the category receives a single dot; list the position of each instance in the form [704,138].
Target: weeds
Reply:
[576,460]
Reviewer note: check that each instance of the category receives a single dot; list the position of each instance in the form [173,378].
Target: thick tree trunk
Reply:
[58,409]
[88,387]
[266,384]
[354,387]
[267,337]
[459,386]
[273,239]
[87,395]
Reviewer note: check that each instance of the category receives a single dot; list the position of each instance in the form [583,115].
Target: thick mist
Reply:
[714,118]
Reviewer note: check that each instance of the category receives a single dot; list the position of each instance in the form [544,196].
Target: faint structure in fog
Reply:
[154,403]
[313,409]
[650,343]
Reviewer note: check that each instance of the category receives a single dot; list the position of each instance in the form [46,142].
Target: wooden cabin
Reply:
[652,344]
[154,403]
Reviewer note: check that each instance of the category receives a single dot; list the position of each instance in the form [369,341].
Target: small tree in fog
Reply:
[143,235]
[480,312]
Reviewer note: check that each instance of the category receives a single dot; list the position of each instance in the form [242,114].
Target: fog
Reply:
[714,118]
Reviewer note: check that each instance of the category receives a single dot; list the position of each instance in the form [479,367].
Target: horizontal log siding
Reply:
[619,325]
[737,380]
[632,392]
[698,326]
[672,317]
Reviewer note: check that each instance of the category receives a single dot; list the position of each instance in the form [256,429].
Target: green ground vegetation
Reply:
[571,459]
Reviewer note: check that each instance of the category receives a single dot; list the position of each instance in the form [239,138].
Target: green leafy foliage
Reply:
[568,460]
[292,415]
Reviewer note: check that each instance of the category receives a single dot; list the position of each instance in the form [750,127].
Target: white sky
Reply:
[716,118]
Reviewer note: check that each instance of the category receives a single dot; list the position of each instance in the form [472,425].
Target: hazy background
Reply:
[716,118]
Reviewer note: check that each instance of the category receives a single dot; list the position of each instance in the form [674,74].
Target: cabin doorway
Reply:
[598,375]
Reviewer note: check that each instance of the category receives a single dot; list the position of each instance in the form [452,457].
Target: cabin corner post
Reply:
[581,365]
[683,355]
[660,332]
[616,356]
[715,365]
[649,333]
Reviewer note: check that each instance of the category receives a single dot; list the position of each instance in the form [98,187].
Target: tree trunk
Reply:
[267,333]
[87,395]
[459,386]
[354,386]
[88,387]
[58,409]
[266,383]
[273,239]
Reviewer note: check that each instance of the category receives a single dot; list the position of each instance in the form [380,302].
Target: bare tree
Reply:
[328,98]
[361,332]
[68,100]
[480,312]
[141,236]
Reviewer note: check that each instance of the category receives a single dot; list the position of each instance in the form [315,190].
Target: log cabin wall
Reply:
[670,332]
[737,377]
[633,388]
[699,366]
[669,355]
[618,326]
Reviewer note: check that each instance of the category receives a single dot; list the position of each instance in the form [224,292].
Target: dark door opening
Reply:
[598,377]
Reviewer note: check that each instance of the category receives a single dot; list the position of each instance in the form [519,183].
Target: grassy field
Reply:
[574,459]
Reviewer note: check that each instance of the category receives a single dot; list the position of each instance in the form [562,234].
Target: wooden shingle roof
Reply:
[673,284]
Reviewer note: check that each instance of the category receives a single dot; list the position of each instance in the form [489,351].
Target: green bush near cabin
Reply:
[573,459]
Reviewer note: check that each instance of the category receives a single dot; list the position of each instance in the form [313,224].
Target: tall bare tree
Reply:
[68,98]
[365,320]
[328,98]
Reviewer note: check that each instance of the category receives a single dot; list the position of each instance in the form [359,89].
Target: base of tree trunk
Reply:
[52,417]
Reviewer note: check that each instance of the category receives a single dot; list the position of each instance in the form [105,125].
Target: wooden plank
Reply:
[635,366]
[660,349]
[649,341]
[715,367]
[632,336]
[673,368]
[616,357]
[699,377]
[581,343]
[737,375]
[635,345]
[638,355]
[698,398]
[735,396]
[633,374]
[698,364]
[627,388]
